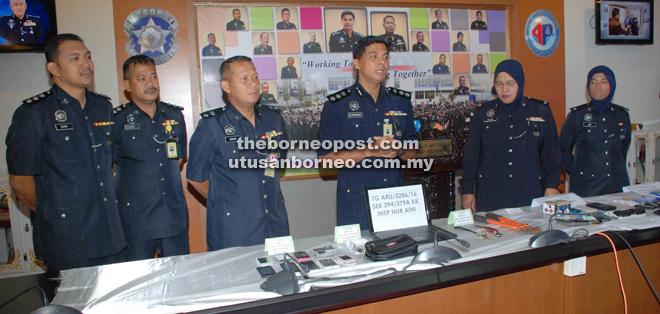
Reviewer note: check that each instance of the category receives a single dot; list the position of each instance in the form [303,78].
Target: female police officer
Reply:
[600,132]
[512,152]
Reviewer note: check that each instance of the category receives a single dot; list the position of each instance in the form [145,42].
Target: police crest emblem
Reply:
[151,32]
[60,116]
[490,113]
[229,129]
[588,117]
[354,105]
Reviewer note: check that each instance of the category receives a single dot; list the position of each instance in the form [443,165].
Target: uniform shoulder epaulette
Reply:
[274,108]
[119,109]
[539,101]
[335,33]
[356,33]
[339,95]
[34,99]
[101,95]
[213,112]
[620,107]
[173,106]
[399,92]
[580,107]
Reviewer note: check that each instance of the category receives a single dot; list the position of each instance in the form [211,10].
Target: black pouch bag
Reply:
[391,248]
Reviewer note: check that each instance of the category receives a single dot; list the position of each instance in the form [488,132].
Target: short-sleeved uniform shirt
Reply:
[513,155]
[340,41]
[28,30]
[352,114]
[69,152]
[244,205]
[601,141]
[150,194]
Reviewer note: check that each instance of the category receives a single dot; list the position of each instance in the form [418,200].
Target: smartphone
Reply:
[301,256]
[601,206]
[347,260]
[263,261]
[310,264]
[328,263]
[266,271]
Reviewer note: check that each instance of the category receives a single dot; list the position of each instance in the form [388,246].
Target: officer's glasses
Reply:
[499,85]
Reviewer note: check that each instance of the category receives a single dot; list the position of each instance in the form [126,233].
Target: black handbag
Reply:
[391,248]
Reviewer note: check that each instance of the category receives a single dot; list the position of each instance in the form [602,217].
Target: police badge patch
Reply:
[588,117]
[354,105]
[229,129]
[60,116]
[151,32]
[490,113]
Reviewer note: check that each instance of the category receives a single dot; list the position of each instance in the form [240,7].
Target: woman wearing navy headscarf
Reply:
[512,151]
[600,133]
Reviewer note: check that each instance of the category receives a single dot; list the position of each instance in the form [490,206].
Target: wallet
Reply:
[391,248]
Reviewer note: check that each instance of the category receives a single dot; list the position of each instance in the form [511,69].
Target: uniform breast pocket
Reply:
[65,145]
[356,129]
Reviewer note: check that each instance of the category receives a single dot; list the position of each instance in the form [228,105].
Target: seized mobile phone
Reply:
[301,256]
[328,263]
[266,271]
[347,260]
[310,264]
[263,260]
[601,206]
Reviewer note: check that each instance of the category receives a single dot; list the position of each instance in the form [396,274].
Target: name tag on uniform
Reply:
[355,115]
[490,120]
[63,126]
[129,127]
[172,152]
[231,139]
[589,124]
[269,172]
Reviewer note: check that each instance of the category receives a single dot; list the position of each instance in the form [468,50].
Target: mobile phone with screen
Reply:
[266,271]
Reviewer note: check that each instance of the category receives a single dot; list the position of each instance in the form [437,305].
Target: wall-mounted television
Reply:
[624,22]
[25,25]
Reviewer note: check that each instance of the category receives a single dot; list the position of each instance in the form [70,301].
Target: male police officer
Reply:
[236,24]
[441,68]
[344,39]
[265,98]
[285,24]
[479,67]
[439,24]
[367,110]
[150,146]
[263,48]
[420,46]
[394,42]
[459,45]
[244,205]
[289,71]
[312,46]
[59,155]
[211,49]
[462,89]
[20,28]
[479,24]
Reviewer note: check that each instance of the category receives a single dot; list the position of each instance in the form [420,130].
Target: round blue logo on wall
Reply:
[151,33]
[542,33]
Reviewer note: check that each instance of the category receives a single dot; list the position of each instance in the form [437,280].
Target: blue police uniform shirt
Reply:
[152,204]
[511,155]
[340,41]
[479,68]
[288,72]
[68,151]
[244,206]
[352,114]
[210,51]
[601,141]
[440,69]
[28,30]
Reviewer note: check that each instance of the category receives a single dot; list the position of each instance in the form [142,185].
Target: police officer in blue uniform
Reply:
[441,68]
[19,27]
[244,204]
[59,155]
[211,49]
[480,67]
[285,24]
[512,151]
[439,23]
[600,132]
[346,38]
[420,46]
[367,110]
[150,146]
[459,45]
[289,71]
[236,24]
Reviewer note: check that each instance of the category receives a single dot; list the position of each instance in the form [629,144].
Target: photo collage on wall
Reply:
[303,54]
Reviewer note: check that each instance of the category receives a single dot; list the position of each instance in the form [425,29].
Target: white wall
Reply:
[637,68]
[24,74]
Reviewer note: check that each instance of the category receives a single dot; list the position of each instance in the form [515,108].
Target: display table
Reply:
[501,269]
